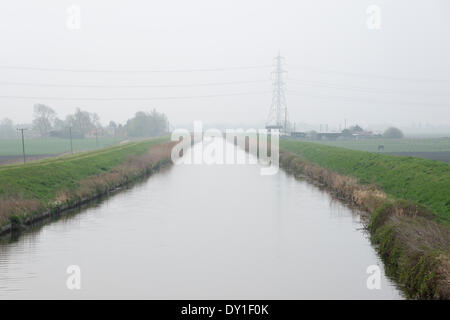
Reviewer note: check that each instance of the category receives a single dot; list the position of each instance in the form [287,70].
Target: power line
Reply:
[23,144]
[292,81]
[369,100]
[25,68]
[367,89]
[56,85]
[132,98]
[371,75]
[314,69]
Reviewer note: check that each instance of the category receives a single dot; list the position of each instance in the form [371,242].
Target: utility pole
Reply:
[278,115]
[71,144]
[96,137]
[23,144]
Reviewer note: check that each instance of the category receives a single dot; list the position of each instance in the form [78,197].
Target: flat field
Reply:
[423,181]
[394,145]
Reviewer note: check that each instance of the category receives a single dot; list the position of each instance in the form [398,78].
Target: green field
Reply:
[43,179]
[394,145]
[51,146]
[426,182]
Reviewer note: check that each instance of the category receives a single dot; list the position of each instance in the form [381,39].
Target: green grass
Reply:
[50,146]
[43,179]
[426,182]
[394,145]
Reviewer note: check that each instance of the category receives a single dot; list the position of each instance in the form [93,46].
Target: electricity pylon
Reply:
[278,115]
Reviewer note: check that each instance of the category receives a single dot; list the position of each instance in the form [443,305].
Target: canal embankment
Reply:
[201,230]
[409,204]
[38,190]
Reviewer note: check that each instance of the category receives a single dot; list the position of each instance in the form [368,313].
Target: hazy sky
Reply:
[337,67]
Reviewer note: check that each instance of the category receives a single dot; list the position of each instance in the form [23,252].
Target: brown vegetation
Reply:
[133,168]
[10,206]
[20,210]
[414,246]
[343,187]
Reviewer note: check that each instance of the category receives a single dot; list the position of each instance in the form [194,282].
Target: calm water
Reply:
[200,232]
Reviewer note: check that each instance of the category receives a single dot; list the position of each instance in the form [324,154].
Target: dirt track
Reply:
[19,159]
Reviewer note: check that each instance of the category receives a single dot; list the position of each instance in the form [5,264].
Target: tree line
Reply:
[83,124]
[356,131]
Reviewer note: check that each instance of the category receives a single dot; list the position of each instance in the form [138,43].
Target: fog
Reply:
[337,67]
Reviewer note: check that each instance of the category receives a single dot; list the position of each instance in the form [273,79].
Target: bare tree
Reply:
[7,129]
[147,124]
[83,122]
[44,117]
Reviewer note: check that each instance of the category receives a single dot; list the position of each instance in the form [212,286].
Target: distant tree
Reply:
[312,134]
[147,124]
[82,122]
[95,119]
[111,129]
[159,123]
[356,129]
[59,124]
[44,117]
[139,125]
[346,133]
[393,133]
[7,130]
[121,131]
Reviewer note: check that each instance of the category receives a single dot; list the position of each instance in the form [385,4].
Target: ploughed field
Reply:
[427,148]
[439,156]
[394,145]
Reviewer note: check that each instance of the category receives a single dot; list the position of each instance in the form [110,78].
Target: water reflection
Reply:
[200,232]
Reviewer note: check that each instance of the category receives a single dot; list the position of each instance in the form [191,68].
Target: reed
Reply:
[60,184]
[410,239]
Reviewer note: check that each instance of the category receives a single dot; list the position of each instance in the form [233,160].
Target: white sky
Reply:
[315,37]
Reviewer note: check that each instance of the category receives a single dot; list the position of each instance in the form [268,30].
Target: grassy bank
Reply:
[31,189]
[422,181]
[409,222]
